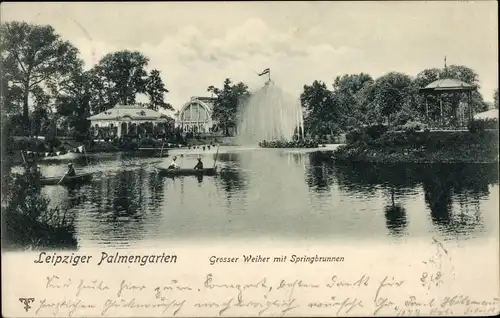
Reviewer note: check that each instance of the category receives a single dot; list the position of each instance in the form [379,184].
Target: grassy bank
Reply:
[27,220]
[414,146]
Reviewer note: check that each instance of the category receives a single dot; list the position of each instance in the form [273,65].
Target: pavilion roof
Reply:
[135,112]
[448,85]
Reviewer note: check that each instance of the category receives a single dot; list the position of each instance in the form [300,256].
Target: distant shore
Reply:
[423,147]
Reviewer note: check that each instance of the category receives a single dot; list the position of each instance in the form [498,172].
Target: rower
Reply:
[199,165]
[173,165]
[71,171]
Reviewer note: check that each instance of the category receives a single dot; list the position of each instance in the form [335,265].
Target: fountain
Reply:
[270,116]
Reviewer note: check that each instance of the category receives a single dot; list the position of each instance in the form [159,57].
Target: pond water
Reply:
[275,195]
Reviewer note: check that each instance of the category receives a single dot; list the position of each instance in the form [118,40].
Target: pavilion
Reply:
[450,86]
[125,119]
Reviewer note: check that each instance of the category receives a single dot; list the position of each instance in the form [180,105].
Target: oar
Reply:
[22,156]
[62,177]
[215,160]
[85,154]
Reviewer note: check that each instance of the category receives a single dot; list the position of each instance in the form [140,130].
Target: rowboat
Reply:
[81,178]
[66,156]
[188,172]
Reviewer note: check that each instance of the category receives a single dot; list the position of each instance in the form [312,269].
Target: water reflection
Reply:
[395,216]
[319,171]
[231,176]
[442,184]
[465,183]
[275,194]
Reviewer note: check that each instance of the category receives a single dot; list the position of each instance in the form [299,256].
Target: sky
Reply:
[198,44]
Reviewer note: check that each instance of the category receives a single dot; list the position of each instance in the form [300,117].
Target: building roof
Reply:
[135,112]
[448,84]
[489,114]
[208,101]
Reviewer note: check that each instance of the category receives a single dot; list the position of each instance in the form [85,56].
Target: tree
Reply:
[155,89]
[321,109]
[74,101]
[33,55]
[40,115]
[346,89]
[226,103]
[391,92]
[119,77]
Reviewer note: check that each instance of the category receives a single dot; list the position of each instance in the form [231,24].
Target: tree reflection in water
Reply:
[468,183]
[319,172]
[231,176]
[119,205]
[395,217]
[442,184]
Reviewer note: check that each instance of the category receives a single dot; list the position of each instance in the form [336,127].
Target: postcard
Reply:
[253,159]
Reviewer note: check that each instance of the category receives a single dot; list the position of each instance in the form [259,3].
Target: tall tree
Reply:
[155,89]
[346,89]
[33,55]
[321,109]
[391,92]
[228,98]
[74,101]
[119,77]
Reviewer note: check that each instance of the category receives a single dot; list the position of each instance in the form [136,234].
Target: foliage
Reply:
[321,110]
[480,125]
[228,99]
[391,93]
[422,147]
[155,89]
[29,222]
[118,78]
[347,91]
[73,102]
[288,144]
[411,126]
[33,56]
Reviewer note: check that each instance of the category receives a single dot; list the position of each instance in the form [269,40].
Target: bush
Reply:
[480,125]
[376,131]
[29,222]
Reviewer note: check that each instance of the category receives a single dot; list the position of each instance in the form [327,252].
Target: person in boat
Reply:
[199,165]
[71,171]
[174,165]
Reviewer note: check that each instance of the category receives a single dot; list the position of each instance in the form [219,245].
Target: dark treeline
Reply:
[393,99]
[45,84]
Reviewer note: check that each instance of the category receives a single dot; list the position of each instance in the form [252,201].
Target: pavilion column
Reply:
[119,130]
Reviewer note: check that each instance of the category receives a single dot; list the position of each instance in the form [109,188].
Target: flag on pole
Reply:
[266,71]
[80,148]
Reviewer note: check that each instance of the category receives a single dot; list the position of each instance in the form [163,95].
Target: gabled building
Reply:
[196,115]
[124,119]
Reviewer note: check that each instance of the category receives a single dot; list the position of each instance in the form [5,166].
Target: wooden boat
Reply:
[81,178]
[188,172]
[66,156]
